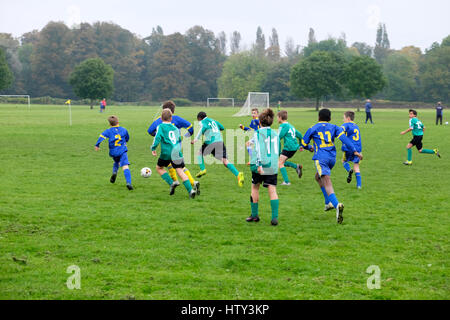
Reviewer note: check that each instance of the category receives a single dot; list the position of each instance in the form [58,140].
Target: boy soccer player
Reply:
[352,132]
[254,124]
[169,137]
[290,136]
[264,165]
[118,138]
[323,134]
[179,122]
[417,128]
[214,145]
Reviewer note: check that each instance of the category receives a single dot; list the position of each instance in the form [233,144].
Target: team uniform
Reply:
[118,138]
[416,127]
[352,132]
[292,139]
[254,125]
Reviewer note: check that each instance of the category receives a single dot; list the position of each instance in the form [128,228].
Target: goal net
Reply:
[15,99]
[258,100]
[220,102]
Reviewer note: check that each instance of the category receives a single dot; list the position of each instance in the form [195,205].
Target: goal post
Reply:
[259,100]
[18,96]
[218,101]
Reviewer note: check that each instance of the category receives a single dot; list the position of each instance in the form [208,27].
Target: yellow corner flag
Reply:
[68,101]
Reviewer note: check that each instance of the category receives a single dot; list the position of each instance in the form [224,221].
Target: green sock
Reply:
[233,169]
[274,204]
[201,162]
[428,151]
[187,185]
[290,164]
[409,154]
[254,207]
[167,178]
[284,174]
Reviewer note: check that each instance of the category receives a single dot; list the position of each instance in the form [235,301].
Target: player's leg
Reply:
[126,170]
[274,204]
[332,197]
[420,148]
[220,152]
[254,199]
[172,172]
[357,175]
[328,204]
[165,176]
[186,182]
[201,161]
[409,153]
[283,170]
[114,171]
[347,167]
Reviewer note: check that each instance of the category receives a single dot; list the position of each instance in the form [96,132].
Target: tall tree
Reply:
[311,37]
[277,81]
[364,77]
[273,51]
[337,46]
[223,43]
[260,43]
[291,50]
[363,48]
[235,42]
[382,44]
[401,72]
[6,76]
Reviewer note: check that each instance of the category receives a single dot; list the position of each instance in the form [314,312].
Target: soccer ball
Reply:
[446,122]
[146,172]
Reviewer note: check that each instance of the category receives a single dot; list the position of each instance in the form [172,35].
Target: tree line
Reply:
[199,64]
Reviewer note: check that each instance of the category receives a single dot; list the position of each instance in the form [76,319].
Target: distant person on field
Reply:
[279,106]
[102,105]
[439,108]
[368,111]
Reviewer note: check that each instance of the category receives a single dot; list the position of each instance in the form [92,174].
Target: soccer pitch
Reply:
[58,209]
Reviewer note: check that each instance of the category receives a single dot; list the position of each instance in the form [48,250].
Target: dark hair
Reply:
[201,115]
[113,120]
[266,117]
[255,109]
[283,114]
[166,115]
[350,114]
[325,115]
[413,111]
[169,105]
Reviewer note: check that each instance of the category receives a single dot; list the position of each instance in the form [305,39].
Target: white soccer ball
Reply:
[146,172]
[446,122]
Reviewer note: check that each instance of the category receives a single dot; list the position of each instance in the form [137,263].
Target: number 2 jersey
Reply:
[323,135]
[168,135]
[352,132]
[266,150]
[117,137]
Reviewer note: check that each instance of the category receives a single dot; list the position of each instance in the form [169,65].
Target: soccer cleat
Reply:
[240,179]
[200,173]
[329,206]
[274,222]
[192,194]
[436,152]
[407,163]
[129,186]
[252,219]
[285,183]
[299,170]
[197,187]
[339,210]
[113,177]
[173,186]
[349,177]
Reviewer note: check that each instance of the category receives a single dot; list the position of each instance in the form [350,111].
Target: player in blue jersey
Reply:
[180,123]
[323,134]
[254,125]
[352,132]
[118,138]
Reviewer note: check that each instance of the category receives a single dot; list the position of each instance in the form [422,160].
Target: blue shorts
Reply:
[122,159]
[350,157]
[324,166]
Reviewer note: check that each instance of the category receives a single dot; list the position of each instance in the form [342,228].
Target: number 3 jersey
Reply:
[169,137]
[266,150]
[352,132]
[117,137]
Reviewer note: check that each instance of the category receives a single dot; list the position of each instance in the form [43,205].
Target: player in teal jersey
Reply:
[352,132]
[213,144]
[118,138]
[323,134]
[168,135]
[290,136]
[264,165]
[417,128]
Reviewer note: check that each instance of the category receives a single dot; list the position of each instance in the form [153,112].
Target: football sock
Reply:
[167,178]
[127,175]
[325,195]
[201,162]
[409,154]
[290,164]
[358,179]
[333,200]
[115,167]
[254,207]
[429,151]
[187,185]
[173,174]
[274,205]
[347,166]
[188,173]
[233,169]
[284,174]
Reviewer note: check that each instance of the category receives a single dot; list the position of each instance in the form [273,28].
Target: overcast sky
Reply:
[408,22]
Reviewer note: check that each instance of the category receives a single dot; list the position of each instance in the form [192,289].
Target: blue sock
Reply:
[325,195]
[127,175]
[333,200]
[115,167]
[358,179]
[347,166]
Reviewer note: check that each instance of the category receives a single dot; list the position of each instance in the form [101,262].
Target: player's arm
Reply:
[188,126]
[406,131]
[103,136]
[244,127]
[306,139]
[345,140]
[221,127]
[156,141]
[152,129]
[199,134]
[127,136]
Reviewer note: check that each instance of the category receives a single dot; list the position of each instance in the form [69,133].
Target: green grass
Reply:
[57,208]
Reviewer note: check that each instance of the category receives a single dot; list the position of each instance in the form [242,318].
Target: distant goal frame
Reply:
[208,99]
[18,96]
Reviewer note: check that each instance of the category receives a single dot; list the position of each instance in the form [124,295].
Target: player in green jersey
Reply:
[417,128]
[168,135]
[291,145]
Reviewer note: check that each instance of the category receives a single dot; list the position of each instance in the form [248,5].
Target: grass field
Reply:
[58,208]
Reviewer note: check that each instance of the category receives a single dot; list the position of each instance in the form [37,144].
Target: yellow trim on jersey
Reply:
[340,134]
[115,126]
[189,127]
[303,143]
[103,136]
[318,167]
[344,158]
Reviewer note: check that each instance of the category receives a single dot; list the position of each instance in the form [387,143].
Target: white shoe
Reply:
[329,206]
[339,210]
[286,183]
[192,194]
